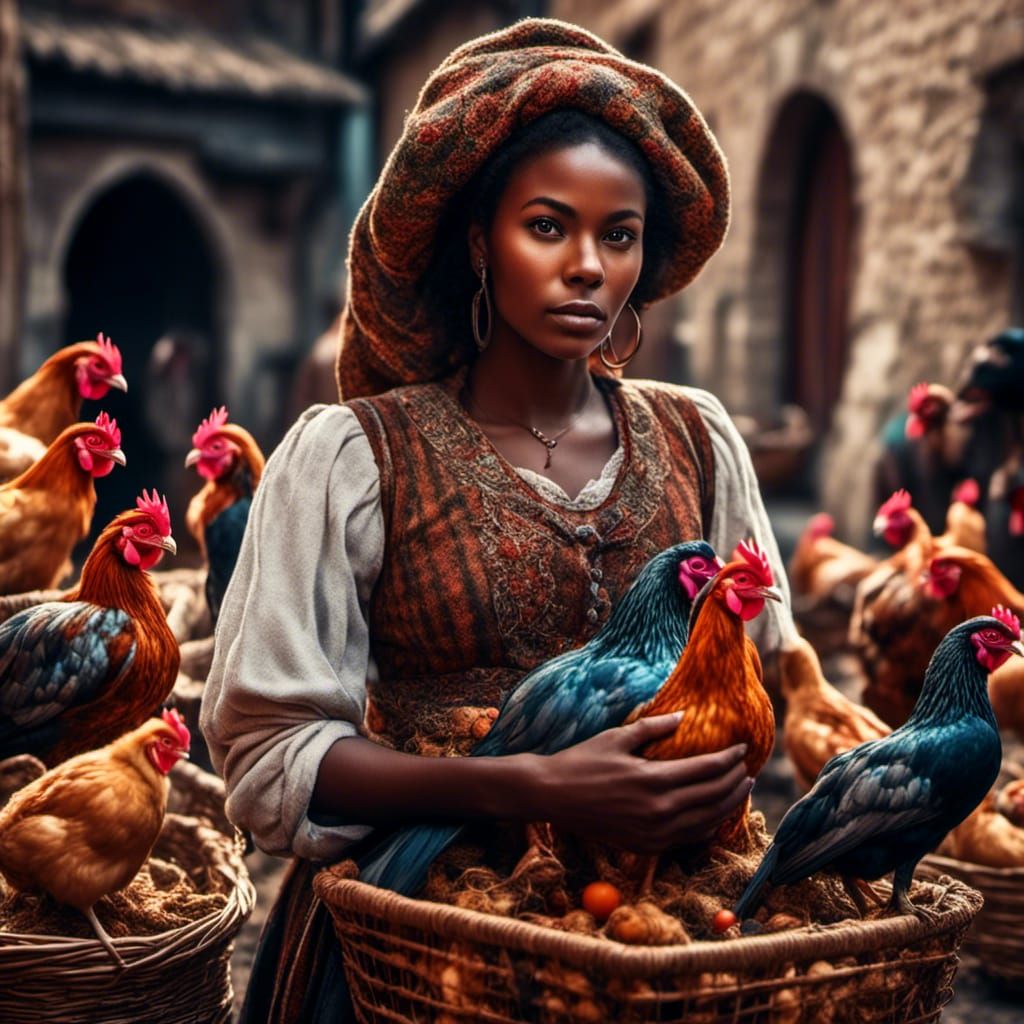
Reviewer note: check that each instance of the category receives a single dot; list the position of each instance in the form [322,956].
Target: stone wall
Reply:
[907,84]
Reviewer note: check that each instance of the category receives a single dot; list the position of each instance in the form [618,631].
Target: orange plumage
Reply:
[111,582]
[83,830]
[717,683]
[820,722]
[823,568]
[48,509]
[51,399]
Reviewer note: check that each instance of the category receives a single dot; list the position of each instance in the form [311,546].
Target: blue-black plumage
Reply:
[883,805]
[575,695]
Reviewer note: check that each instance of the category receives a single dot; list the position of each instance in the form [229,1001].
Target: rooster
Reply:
[51,399]
[228,458]
[883,805]
[48,509]
[923,451]
[825,569]
[78,672]
[897,620]
[717,683]
[84,829]
[820,722]
[574,696]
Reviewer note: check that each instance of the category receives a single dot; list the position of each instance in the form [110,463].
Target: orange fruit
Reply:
[600,899]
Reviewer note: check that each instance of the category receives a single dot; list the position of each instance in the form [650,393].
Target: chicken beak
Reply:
[192,458]
[771,594]
[116,380]
[168,544]
[1017,647]
[117,456]
[879,525]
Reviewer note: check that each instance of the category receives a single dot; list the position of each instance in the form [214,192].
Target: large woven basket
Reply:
[179,976]
[997,935]
[411,960]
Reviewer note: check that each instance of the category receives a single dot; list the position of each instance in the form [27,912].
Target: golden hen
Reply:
[820,722]
[83,830]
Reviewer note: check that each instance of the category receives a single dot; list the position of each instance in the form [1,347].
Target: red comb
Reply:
[156,508]
[968,492]
[110,352]
[172,717]
[918,393]
[109,427]
[899,501]
[821,525]
[1007,618]
[210,426]
[752,554]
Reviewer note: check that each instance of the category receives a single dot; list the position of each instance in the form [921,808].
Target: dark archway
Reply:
[802,260]
[140,269]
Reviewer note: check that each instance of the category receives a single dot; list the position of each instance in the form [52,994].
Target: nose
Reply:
[583,265]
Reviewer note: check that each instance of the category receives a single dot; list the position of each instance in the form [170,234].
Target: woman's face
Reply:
[565,250]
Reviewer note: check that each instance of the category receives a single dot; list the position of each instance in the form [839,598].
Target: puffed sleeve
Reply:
[739,513]
[291,654]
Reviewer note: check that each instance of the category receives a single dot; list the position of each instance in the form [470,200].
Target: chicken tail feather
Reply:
[751,898]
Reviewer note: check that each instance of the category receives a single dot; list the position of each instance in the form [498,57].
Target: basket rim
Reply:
[89,954]
[815,941]
[937,860]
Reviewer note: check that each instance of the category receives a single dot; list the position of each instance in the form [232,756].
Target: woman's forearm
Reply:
[365,782]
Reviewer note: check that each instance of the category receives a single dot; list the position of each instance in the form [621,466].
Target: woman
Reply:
[483,498]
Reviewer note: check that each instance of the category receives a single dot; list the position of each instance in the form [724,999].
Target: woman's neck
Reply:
[513,381]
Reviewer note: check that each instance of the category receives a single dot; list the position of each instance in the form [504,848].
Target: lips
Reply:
[578,317]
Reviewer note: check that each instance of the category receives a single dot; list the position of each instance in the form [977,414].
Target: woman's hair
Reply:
[449,282]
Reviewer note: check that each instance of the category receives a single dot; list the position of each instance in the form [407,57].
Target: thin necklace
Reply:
[550,442]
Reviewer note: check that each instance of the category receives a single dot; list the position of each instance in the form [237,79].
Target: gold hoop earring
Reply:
[615,363]
[482,339]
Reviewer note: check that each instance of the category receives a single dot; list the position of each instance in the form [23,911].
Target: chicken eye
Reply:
[697,565]
[991,636]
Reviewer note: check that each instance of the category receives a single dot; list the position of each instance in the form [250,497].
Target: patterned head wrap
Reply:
[472,103]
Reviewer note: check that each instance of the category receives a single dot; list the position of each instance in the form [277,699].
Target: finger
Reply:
[711,791]
[684,770]
[643,730]
[710,816]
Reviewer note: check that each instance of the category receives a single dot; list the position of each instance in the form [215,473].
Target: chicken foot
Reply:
[901,902]
[857,889]
[102,935]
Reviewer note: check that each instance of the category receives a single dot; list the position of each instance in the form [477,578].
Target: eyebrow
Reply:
[566,210]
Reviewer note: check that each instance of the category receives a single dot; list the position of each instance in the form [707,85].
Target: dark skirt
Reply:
[297,975]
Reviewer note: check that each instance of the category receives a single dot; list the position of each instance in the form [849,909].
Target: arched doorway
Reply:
[802,256]
[140,269]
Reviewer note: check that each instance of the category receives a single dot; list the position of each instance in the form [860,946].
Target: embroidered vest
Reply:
[483,578]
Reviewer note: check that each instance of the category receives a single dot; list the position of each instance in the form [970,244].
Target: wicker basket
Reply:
[179,976]
[410,960]
[997,935]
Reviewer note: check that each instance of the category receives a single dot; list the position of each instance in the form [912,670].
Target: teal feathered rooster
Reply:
[883,805]
[575,695]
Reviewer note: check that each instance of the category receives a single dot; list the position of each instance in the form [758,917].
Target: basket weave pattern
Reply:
[410,960]
[179,976]
[997,935]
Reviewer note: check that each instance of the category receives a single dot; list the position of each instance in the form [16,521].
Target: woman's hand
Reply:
[601,789]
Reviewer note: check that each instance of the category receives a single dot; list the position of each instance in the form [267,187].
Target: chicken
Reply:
[228,458]
[1006,691]
[83,830]
[717,683]
[78,672]
[575,695]
[823,568]
[48,509]
[820,722]
[51,399]
[1010,801]
[965,525]
[898,619]
[923,451]
[883,805]
[992,834]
